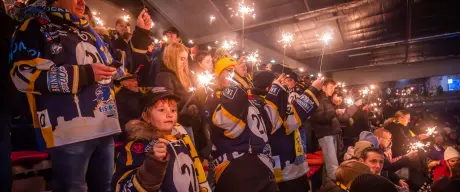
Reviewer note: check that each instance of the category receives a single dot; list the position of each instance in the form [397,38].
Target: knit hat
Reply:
[450,153]
[368,136]
[223,64]
[370,182]
[263,79]
[360,146]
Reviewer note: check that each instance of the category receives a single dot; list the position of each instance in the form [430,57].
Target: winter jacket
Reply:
[442,170]
[136,169]
[331,186]
[360,124]
[129,108]
[168,79]
[50,63]
[288,151]
[322,120]
[401,138]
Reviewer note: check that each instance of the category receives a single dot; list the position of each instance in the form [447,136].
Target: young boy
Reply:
[288,152]
[160,154]
[239,126]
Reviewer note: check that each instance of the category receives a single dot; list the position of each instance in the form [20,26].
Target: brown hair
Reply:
[348,171]
[329,81]
[171,61]
[380,132]
[200,57]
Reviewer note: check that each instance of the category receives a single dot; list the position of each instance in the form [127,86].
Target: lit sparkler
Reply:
[326,37]
[431,131]
[191,42]
[212,18]
[418,146]
[230,77]
[254,58]
[192,89]
[286,39]
[205,79]
[372,86]
[126,18]
[228,45]
[98,21]
[349,101]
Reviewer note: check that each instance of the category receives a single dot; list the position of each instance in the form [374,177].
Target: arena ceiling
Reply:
[365,33]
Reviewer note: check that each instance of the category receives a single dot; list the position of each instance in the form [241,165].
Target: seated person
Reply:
[160,154]
[444,168]
[345,175]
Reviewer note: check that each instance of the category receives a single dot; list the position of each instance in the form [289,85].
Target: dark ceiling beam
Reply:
[409,4]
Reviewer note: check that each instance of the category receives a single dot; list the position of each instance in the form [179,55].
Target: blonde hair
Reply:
[171,61]
[349,170]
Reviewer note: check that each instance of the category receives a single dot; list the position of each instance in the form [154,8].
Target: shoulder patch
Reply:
[230,92]
[179,129]
[137,147]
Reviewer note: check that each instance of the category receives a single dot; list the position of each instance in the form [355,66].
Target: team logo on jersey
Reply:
[104,98]
[58,80]
[305,102]
[184,174]
[56,49]
[230,92]
[137,148]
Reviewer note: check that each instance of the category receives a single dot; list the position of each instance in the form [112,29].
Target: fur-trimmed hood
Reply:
[140,130]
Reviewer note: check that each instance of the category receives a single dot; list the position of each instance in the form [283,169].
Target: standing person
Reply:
[128,103]
[174,75]
[160,155]
[288,152]
[322,123]
[121,33]
[7,103]
[240,124]
[72,105]
[402,135]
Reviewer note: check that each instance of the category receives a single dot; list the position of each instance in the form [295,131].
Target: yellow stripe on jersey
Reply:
[312,96]
[25,24]
[129,157]
[292,122]
[276,121]
[220,169]
[232,125]
[137,185]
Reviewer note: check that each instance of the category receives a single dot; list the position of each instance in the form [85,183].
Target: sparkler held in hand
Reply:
[286,40]
[431,131]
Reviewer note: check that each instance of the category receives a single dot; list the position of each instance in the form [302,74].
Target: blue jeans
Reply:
[329,146]
[84,166]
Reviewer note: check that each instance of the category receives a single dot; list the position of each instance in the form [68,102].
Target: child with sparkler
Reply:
[160,154]
[288,150]
[239,125]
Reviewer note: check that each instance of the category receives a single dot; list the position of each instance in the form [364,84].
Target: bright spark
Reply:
[126,17]
[212,19]
[287,39]
[98,21]
[205,79]
[209,48]
[326,37]
[431,130]
[165,38]
[156,41]
[418,146]
[254,58]
[272,61]
[192,89]
[372,86]
[191,42]
[228,45]
[349,101]
[244,10]
[301,69]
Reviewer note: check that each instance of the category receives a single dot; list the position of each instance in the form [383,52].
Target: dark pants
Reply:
[247,174]
[296,185]
[84,166]
[6,178]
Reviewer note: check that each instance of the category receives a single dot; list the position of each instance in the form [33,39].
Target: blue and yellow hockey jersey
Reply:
[240,123]
[288,151]
[184,171]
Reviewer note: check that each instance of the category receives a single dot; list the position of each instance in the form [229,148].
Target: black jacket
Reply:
[401,138]
[322,120]
[128,107]
[360,123]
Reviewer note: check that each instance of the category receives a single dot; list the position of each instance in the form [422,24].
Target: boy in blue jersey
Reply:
[239,124]
[287,149]
[160,154]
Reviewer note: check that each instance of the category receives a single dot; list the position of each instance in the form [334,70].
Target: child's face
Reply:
[162,116]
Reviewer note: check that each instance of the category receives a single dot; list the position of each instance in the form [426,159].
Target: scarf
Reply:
[39,10]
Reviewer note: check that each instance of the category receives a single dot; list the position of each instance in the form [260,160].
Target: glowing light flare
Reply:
[209,48]
[349,101]
[272,61]
[98,21]
[326,37]
[372,86]
[301,69]
[191,89]
[126,18]
[431,131]
[286,39]
[165,38]
[230,77]
[228,45]
[191,42]
[416,146]
[205,79]
[212,18]
[156,41]
[254,58]
[244,10]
